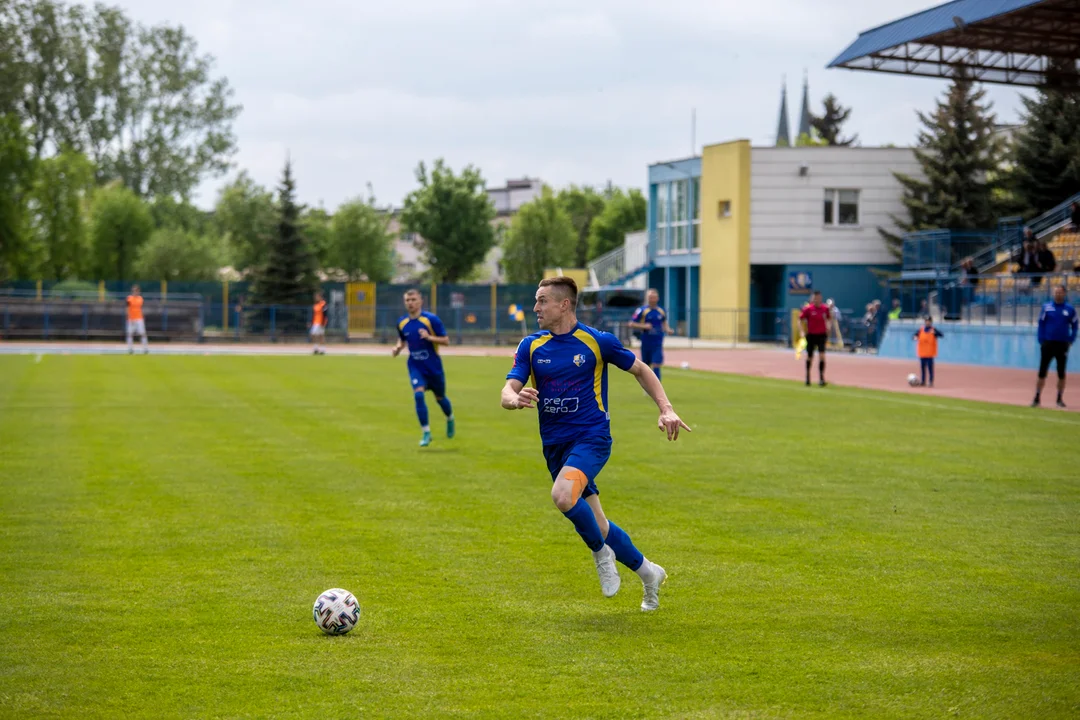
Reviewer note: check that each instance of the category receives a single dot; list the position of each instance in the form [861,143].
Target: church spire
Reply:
[783,133]
[805,117]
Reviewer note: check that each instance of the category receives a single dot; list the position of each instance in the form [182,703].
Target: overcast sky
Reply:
[569,91]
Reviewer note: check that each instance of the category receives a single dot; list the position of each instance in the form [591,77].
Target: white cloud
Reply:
[560,89]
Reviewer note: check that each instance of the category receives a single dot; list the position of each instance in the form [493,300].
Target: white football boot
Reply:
[652,577]
[605,568]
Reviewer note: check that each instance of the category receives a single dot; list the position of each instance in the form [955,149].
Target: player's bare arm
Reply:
[515,396]
[399,347]
[668,421]
[436,339]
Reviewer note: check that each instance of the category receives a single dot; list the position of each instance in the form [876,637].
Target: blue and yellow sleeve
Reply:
[614,352]
[522,368]
[437,326]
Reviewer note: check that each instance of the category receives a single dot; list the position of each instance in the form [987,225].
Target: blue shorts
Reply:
[652,353]
[433,381]
[589,455]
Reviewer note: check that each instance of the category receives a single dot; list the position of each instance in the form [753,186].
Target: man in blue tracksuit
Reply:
[1057,333]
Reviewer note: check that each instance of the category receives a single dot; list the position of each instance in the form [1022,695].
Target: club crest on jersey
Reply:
[579,360]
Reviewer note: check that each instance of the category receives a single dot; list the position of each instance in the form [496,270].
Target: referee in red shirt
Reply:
[815,320]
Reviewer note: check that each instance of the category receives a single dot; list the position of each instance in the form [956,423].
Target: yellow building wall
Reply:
[724,291]
[580,275]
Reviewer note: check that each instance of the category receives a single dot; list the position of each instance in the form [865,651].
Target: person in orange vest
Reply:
[136,324]
[926,339]
[318,322]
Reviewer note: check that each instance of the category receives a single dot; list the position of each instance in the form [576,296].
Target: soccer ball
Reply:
[685,365]
[912,379]
[336,611]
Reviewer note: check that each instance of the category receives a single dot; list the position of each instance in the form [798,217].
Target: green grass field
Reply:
[166,524]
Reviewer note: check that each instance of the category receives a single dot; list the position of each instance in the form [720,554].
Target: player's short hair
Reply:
[565,284]
[815,293]
[413,291]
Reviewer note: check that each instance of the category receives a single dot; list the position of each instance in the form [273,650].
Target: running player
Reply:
[652,320]
[815,319]
[422,332]
[135,321]
[567,362]
[318,323]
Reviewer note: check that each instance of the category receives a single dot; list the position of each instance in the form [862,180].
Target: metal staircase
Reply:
[615,268]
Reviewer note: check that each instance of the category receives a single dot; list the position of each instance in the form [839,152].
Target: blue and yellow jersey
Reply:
[423,354]
[653,316]
[570,373]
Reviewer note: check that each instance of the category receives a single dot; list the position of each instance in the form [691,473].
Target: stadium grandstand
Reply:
[982,277]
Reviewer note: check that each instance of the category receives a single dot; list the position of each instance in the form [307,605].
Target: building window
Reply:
[680,201]
[663,217]
[841,207]
[723,209]
[695,194]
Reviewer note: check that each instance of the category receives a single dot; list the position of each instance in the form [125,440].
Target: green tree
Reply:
[453,215]
[810,140]
[57,208]
[245,216]
[829,124]
[624,213]
[583,205]
[168,212]
[542,235]
[315,225]
[958,152]
[361,242]
[121,224]
[176,254]
[288,278]
[1046,168]
[141,102]
[16,177]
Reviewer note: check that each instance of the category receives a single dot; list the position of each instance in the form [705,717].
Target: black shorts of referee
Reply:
[1056,350]
[816,341]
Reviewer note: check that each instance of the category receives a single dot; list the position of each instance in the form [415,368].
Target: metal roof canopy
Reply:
[1009,42]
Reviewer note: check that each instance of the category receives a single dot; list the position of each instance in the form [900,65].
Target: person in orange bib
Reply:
[318,323]
[926,339]
[135,321]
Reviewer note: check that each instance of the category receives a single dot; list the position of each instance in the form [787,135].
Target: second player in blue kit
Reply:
[422,333]
[651,321]
[568,364]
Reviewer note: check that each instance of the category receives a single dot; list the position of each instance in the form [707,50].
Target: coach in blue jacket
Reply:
[1057,333]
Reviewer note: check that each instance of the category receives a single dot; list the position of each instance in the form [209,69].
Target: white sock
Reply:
[426,428]
[645,572]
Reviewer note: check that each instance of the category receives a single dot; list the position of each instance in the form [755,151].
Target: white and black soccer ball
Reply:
[685,365]
[336,611]
[912,379]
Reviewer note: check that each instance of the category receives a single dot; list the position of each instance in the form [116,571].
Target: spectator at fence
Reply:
[1027,258]
[1047,261]
[872,321]
[1074,216]
[927,337]
[969,274]
[894,314]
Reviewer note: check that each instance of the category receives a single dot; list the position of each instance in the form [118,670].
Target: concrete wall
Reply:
[787,218]
[1012,346]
